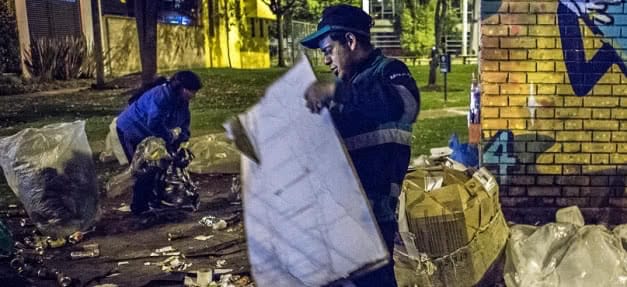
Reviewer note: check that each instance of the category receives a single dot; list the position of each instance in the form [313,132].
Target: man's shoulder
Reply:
[392,69]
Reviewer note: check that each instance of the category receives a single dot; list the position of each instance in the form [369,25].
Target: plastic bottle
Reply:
[474,115]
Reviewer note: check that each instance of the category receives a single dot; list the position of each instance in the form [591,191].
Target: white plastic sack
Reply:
[52,173]
[113,147]
[564,255]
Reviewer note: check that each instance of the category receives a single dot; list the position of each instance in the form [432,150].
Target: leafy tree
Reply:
[280,8]
[418,27]
[9,44]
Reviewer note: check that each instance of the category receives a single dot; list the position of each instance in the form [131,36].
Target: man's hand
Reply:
[319,95]
[596,9]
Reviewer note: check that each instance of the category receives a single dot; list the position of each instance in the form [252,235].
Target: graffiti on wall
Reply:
[605,18]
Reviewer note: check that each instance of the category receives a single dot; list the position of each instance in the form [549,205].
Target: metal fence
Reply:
[294,32]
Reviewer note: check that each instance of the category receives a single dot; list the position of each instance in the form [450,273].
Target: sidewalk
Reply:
[443,113]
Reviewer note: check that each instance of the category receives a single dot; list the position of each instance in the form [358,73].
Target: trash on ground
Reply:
[172,236]
[451,226]
[221,224]
[88,251]
[203,237]
[220,263]
[565,254]
[208,220]
[124,208]
[174,263]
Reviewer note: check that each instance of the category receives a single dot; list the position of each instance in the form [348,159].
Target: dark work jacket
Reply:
[374,113]
[156,113]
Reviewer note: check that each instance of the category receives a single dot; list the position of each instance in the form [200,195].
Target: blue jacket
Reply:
[156,113]
[374,113]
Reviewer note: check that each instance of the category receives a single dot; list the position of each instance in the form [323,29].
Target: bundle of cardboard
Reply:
[451,225]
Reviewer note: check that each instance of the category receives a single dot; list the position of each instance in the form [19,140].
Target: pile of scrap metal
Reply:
[451,225]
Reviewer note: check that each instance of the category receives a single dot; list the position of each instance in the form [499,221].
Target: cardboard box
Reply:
[458,229]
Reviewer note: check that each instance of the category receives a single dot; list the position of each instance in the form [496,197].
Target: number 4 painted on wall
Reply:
[499,152]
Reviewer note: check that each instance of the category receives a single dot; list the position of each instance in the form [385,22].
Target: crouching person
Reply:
[161,111]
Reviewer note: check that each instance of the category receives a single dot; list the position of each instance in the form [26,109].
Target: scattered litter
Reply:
[221,224]
[208,220]
[203,277]
[122,263]
[78,236]
[106,285]
[89,250]
[174,263]
[203,237]
[176,236]
[222,271]
[113,274]
[220,263]
[12,205]
[230,229]
[165,249]
[123,208]
[147,263]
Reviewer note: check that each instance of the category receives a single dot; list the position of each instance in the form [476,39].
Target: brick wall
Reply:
[554,108]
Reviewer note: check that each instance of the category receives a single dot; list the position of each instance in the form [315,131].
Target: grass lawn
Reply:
[226,92]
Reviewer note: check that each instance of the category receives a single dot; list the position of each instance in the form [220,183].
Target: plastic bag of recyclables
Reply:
[566,253]
[51,171]
[451,226]
[214,153]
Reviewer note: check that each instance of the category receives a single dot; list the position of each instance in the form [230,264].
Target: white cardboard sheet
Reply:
[307,219]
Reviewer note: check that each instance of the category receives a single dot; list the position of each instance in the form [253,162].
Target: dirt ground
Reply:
[125,243]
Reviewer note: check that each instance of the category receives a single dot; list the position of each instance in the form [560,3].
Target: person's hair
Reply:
[185,79]
[180,79]
[339,36]
[145,88]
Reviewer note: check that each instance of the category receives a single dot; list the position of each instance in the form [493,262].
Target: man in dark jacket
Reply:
[373,103]
[162,111]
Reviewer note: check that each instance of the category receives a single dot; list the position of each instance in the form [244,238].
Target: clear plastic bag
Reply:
[564,254]
[51,171]
[213,154]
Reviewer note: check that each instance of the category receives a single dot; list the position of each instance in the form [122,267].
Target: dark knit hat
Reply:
[339,18]
[186,79]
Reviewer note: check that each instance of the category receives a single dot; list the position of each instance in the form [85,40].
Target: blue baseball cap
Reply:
[341,17]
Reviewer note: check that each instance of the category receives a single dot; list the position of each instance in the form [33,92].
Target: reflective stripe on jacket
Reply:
[374,113]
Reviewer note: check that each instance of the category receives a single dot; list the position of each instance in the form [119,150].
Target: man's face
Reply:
[337,56]
[187,95]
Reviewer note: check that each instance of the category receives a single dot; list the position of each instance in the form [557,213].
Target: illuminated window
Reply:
[179,12]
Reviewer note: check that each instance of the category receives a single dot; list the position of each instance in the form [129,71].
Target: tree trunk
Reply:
[146,19]
[434,59]
[440,21]
[228,31]
[279,22]
[95,8]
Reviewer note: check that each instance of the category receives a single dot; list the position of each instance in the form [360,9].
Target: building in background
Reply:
[191,33]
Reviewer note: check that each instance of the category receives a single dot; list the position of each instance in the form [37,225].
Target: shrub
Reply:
[61,58]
